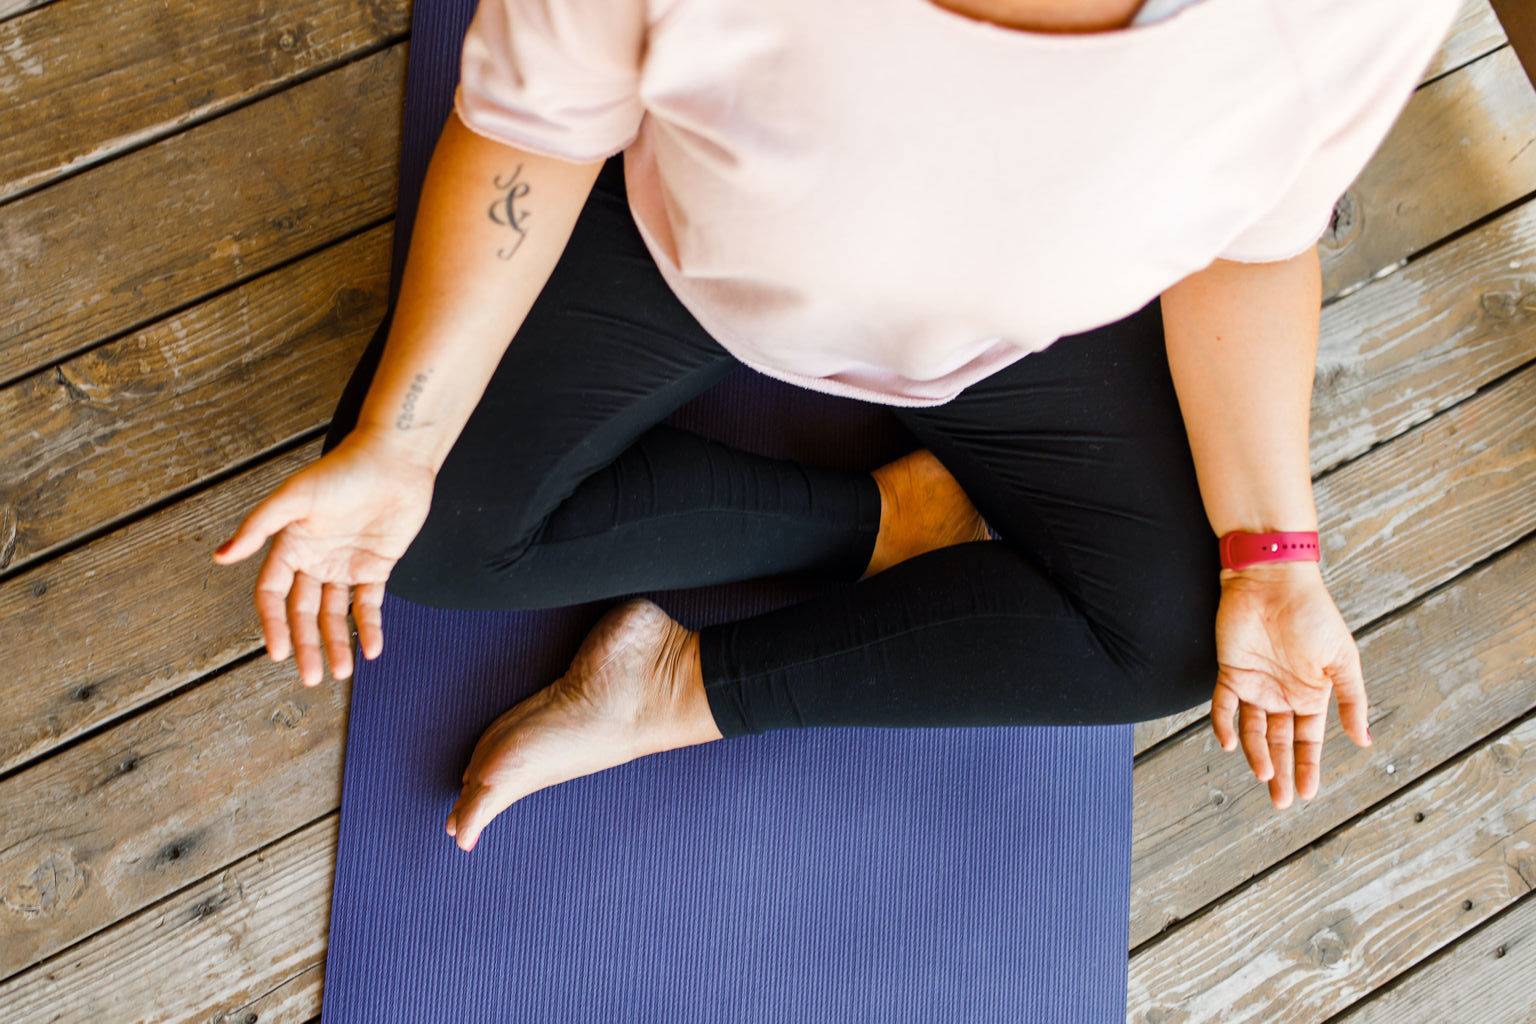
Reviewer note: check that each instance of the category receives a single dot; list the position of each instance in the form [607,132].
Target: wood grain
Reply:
[1411,513]
[11,8]
[1400,350]
[1488,977]
[1440,676]
[112,431]
[1474,33]
[1461,149]
[1519,22]
[1359,907]
[83,654]
[131,815]
[124,74]
[120,245]
[208,954]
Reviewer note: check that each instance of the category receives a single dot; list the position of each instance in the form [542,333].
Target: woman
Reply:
[1072,245]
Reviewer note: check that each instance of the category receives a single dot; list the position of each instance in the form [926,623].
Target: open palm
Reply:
[1282,648]
[338,525]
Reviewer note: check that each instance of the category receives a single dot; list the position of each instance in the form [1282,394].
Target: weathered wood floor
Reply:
[195,213]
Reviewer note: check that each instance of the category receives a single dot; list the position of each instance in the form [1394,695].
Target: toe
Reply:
[478,805]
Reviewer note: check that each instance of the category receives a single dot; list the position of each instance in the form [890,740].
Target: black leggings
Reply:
[1096,606]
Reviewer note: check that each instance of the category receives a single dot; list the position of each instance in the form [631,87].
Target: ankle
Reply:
[890,542]
[687,719]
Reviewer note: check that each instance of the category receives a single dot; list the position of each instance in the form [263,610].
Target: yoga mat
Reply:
[823,875]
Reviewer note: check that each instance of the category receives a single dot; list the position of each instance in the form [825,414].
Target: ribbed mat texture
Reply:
[844,876]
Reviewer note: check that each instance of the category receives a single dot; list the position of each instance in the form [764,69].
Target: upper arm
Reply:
[554,77]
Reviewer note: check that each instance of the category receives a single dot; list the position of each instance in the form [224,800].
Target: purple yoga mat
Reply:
[825,875]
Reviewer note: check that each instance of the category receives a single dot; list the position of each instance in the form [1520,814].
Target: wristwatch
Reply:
[1240,548]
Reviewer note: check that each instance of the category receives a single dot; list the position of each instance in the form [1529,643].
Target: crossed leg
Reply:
[1097,606]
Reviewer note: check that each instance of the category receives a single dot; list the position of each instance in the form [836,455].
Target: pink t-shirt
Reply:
[889,200]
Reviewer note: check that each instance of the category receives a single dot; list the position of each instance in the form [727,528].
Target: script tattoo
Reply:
[505,209]
[407,417]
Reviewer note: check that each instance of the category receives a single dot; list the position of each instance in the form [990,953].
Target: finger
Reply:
[303,605]
[1223,707]
[1250,731]
[276,511]
[367,605]
[1349,690]
[334,598]
[1309,754]
[1282,754]
[272,586]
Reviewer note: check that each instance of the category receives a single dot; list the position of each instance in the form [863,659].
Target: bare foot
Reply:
[634,688]
[922,508]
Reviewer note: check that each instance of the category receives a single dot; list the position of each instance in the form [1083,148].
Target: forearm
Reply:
[492,222]
[1242,349]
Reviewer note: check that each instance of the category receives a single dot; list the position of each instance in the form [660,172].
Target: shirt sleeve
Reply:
[554,77]
[1359,93]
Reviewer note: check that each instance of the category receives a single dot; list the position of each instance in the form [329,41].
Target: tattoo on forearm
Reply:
[505,209]
[407,418]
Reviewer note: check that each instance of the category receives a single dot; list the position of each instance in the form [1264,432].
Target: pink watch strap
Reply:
[1239,548]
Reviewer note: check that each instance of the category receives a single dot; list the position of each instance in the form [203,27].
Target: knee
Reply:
[1171,651]
[461,564]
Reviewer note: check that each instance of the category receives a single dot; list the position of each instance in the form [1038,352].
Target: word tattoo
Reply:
[407,417]
[505,211]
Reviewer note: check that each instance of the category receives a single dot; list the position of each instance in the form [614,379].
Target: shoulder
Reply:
[1337,40]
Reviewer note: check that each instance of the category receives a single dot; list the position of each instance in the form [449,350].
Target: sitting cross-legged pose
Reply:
[1073,246]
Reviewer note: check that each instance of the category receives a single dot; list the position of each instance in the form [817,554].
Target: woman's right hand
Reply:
[339,526]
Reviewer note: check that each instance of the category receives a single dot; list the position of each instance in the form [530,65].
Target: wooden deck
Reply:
[195,216]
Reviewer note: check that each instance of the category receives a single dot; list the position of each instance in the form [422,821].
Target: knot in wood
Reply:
[1327,947]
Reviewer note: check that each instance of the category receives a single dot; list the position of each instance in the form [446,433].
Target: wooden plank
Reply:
[1475,33]
[129,816]
[11,8]
[1461,150]
[1410,514]
[1363,905]
[1442,675]
[1519,22]
[297,999]
[1400,350]
[1488,977]
[119,245]
[119,75]
[87,648]
[1149,734]
[124,425]
[208,953]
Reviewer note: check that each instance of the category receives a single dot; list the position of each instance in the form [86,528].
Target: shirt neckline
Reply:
[1009,35]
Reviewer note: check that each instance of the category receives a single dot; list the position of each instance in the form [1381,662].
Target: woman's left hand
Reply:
[1281,648]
